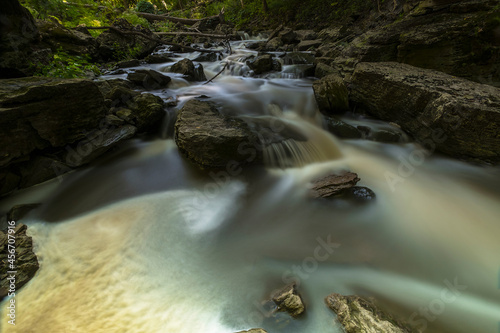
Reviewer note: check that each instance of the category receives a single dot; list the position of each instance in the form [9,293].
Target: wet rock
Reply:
[322,70]
[191,72]
[149,79]
[289,300]
[38,113]
[256,45]
[288,36]
[306,35]
[39,169]
[386,136]
[455,116]
[212,140]
[358,194]
[17,212]
[332,185]
[254,330]
[342,129]
[158,58]
[261,64]
[307,45]
[357,314]
[207,56]
[128,63]
[145,112]
[274,44]
[26,263]
[331,94]
[297,58]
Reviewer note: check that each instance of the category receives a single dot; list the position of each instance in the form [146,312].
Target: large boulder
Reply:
[357,314]
[190,71]
[37,113]
[263,63]
[212,140]
[455,116]
[331,94]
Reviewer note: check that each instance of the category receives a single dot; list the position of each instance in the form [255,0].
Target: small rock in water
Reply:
[289,300]
[358,194]
[333,184]
[357,314]
[254,330]
[149,79]
[189,70]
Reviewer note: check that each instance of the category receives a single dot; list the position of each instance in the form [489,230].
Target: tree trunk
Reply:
[153,17]
[242,5]
[265,6]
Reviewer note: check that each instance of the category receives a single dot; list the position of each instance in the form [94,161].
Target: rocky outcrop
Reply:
[331,94]
[452,115]
[461,38]
[51,126]
[71,41]
[289,300]
[357,315]
[190,71]
[37,113]
[24,262]
[212,140]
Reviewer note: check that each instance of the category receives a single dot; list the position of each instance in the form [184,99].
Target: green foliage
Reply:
[145,7]
[132,17]
[64,65]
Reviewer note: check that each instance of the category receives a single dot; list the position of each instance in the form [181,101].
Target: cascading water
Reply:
[145,242]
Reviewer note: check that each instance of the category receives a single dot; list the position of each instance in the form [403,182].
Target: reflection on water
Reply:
[145,242]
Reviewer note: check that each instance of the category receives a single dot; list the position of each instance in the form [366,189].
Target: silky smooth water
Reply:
[143,241]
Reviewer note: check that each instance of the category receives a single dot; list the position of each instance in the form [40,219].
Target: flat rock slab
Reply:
[333,184]
[358,315]
[445,113]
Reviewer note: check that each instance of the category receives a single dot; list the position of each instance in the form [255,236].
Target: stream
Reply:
[143,241]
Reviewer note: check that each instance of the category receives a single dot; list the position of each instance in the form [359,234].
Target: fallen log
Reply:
[197,34]
[154,17]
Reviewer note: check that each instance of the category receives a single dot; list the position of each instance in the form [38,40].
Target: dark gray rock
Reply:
[455,116]
[308,45]
[158,58]
[342,129]
[323,70]
[261,64]
[306,35]
[128,63]
[38,113]
[190,71]
[149,79]
[298,58]
[288,36]
[207,56]
[331,94]
[212,140]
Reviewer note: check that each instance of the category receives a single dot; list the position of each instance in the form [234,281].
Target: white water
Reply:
[144,242]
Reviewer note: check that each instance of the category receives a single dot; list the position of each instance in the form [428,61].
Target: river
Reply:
[143,241]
